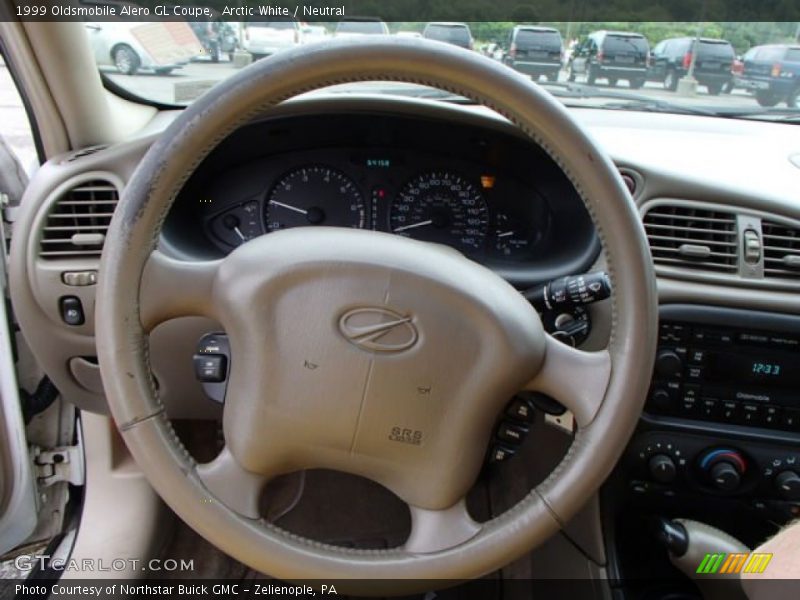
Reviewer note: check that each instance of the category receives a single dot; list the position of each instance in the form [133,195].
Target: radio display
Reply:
[770,368]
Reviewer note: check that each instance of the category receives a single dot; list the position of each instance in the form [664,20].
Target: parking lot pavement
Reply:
[185,84]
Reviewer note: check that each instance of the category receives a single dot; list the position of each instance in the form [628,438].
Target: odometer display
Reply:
[314,195]
[441,207]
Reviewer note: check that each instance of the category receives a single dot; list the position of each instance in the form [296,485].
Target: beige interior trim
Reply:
[49,123]
[72,108]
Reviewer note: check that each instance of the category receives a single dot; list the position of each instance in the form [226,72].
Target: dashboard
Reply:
[487,194]
[719,437]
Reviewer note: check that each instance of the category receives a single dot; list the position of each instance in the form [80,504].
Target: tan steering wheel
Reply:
[319,296]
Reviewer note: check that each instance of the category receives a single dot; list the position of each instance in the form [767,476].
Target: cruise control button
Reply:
[521,410]
[500,453]
[210,368]
[511,432]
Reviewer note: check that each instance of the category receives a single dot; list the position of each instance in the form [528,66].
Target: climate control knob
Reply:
[668,363]
[725,476]
[724,468]
[662,468]
[788,484]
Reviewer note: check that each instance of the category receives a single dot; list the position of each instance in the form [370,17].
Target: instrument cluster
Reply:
[435,205]
[475,186]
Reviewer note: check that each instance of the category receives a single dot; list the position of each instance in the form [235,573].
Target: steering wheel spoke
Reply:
[576,378]
[436,530]
[228,482]
[172,288]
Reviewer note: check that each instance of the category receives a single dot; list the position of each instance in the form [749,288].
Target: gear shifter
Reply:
[688,542]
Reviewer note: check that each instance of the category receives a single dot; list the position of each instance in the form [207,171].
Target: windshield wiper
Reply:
[627,101]
[777,115]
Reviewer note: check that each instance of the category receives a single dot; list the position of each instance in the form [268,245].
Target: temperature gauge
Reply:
[237,225]
[512,236]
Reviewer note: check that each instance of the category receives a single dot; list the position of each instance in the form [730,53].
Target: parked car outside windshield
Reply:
[535,51]
[772,74]
[613,56]
[671,60]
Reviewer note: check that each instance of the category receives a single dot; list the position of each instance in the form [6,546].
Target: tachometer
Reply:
[314,195]
[441,207]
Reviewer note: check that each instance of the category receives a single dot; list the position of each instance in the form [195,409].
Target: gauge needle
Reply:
[505,234]
[412,226]
[289,207]
[238,232]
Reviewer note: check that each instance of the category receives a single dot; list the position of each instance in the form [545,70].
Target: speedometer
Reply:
[441,207]
[314,195]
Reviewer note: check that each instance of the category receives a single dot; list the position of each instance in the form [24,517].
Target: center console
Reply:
[719,439]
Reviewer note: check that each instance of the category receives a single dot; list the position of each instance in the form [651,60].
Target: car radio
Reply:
[718,373]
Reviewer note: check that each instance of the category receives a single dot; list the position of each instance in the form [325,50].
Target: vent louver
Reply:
[692,238]
[781,250]
[77,223]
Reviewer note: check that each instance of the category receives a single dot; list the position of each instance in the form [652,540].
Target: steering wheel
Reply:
[365,352]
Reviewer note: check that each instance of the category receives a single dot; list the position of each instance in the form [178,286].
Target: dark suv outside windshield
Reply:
[624,43]
[364,27]
[452,33]
[542,38]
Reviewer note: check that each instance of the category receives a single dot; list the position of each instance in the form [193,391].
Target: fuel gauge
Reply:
[237,225]
[512,236]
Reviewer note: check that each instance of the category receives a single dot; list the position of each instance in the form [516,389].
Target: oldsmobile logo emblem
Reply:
[378,329]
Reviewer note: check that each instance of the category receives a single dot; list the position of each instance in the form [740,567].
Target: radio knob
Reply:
[725,476]
[661,400]
[788,484]
[662,468]
[668,363]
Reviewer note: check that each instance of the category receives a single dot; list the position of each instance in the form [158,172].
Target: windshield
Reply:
[603,65]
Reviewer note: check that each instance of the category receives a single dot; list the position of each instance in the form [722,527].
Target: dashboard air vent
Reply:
[692,238]
[77,224]
[781,250]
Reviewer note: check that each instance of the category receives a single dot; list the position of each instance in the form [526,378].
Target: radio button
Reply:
[689,405]
[709,408]
[772,415]
[694,373]
[791,419]
[697,357]
[729,411]
[751,414]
